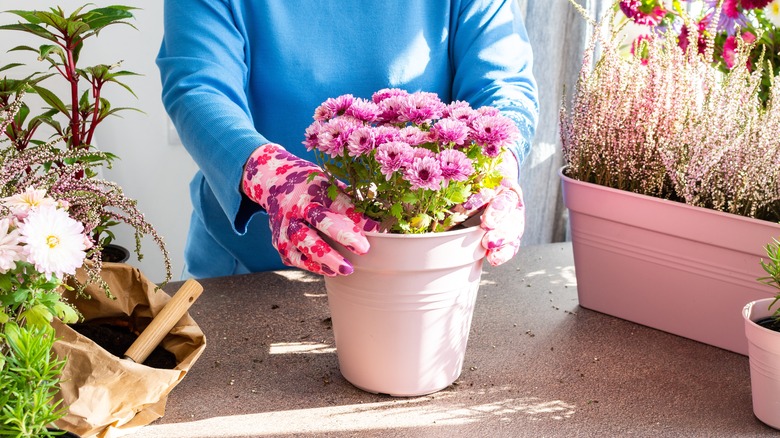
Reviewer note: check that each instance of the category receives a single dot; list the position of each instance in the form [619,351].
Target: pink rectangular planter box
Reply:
[674,267]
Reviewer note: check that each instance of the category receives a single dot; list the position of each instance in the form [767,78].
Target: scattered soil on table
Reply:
[116,337]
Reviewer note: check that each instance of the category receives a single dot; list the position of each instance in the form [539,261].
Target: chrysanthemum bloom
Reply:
[459,110]
[363,110]
[450,130]
[421,108]
[384,93]
[424,173]
[422,153]
[333,136]
[390,109]
[413,135]
[455,165]
[311,140]
[361,141]
[772,12]
[54,242]
[641,13]
[385,134]
[22,203]
[492,132]
[392,156]
[10,248]
[339,105]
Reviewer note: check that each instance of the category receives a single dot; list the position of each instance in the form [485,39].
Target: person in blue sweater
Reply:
[241,79]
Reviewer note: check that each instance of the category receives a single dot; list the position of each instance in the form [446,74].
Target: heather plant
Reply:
[409,161]
[668,123]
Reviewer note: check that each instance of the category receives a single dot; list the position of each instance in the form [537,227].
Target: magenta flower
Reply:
[311,135]
[390,109]
[413,135]
[455,165]
[731,15]
[644,13]
[450,131]
[730,48]
[755,4]
[363,110]
[361,141]
[422,153]
[492,133]
[424,173]
[420,108]
[387,92]
[392,157]
[333,136]
[385,134]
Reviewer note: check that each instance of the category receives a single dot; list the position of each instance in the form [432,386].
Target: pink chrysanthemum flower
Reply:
[361,141]
[392,157]
[424,173]
[492,133]
[10,248]
[422,153]
[333,136]
[54,242]
[340,105]
[413,135]
[450,130]
[311,140]
[421,108]
[459,110]
[455,165]
[390,109]
[385,134]
[384,93]
[363,110]
[22,203]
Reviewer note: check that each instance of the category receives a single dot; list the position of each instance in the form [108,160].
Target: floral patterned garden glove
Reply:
[297,205]
[504,215]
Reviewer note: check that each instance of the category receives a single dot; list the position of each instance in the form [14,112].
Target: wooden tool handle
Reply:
[173,311]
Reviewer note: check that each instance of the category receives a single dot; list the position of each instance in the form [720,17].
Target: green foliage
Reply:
[29,379]
[772,268]
[74,116]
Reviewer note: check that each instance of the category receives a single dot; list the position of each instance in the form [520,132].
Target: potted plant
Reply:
[762,330]
[418,168]
[47,159]
[84,104]
[672,175]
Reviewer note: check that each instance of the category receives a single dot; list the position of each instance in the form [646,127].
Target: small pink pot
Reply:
[401,321]
[764,353]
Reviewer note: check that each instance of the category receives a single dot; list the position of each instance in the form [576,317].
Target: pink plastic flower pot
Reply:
[401,321]
[674,267]
[764,352]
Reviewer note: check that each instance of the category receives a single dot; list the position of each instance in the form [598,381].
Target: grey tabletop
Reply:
[537,365]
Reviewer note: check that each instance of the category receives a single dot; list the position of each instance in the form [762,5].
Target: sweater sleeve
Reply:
[204,76]
[493,64]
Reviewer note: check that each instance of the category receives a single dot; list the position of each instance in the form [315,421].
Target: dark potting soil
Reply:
[769,323]
[117,338]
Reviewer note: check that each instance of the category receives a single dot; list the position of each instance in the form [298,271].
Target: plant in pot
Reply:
[75,95]
[46,218]
[762,330]
[419,168]
[49,156]
[672,169]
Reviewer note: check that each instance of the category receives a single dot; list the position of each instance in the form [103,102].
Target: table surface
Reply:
[537,365]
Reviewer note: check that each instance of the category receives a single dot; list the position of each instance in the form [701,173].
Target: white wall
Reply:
[153,167]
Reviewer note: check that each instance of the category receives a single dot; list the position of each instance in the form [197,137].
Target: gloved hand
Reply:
[280,182]
[504,215]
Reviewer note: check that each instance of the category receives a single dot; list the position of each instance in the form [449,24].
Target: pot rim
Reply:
[423,235]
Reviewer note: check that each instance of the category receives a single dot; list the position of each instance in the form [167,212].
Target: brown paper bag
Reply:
[108,396]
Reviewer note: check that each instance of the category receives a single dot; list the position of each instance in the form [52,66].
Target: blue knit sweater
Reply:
[237,74]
